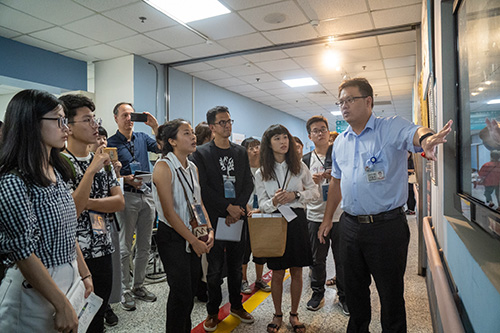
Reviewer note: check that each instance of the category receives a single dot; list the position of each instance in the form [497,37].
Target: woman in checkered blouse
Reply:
[37,219]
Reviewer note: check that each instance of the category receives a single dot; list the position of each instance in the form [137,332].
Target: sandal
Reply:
[298,328]
[272,327]
[331,282]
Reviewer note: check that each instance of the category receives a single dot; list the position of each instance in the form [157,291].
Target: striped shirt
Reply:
[39,220]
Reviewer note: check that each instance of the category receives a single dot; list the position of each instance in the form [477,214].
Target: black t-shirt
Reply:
[225,160]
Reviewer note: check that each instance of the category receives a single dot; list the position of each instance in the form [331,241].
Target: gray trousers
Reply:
[137,217]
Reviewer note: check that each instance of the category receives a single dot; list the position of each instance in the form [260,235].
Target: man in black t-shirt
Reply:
[226,184]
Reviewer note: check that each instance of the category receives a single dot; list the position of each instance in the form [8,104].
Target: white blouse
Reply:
[302,183]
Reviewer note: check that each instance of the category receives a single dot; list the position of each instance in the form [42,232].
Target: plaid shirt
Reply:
[39,220]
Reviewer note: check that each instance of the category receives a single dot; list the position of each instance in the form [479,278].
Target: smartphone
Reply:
[140,117]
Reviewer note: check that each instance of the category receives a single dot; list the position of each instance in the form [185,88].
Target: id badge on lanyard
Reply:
[229,189]
[134,166]
[98,222]
[374,170]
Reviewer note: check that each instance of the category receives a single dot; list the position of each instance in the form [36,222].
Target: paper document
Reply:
[85,308]
[228,233]
[287,212]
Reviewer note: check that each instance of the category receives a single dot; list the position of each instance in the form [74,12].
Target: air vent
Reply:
[382,103]
[321,92]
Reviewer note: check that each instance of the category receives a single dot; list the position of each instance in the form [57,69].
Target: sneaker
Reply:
[245,288]
[128,302]
[316,302]
[345,309]
[143,294]
[210,324]
[243,315]
[110,318]
[263,286]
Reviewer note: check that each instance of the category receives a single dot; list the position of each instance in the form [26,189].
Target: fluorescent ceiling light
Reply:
[336,113]
[306,81]
[189,10]
[494,101]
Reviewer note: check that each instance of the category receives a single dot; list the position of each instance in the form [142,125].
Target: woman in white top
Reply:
[283,179]
[176,189]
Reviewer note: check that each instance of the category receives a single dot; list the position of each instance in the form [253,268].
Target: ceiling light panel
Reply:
[189,10]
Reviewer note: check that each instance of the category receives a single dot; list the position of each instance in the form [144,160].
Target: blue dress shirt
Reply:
[135,150]
[381,146]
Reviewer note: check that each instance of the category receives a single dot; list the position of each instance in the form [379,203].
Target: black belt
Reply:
[132,189]
[393,213]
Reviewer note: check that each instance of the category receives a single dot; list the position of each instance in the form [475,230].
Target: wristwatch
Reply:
[297,195]
[210,229]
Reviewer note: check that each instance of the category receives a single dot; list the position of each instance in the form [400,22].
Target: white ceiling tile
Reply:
[271,85]
[176,36]
[396,38]
[243,70]
[397,16]
[282,64]
[370,75]
[165,57]
[266,56]
[100,28]
[290,74]
[40,43]
[18,21]
[279,91]
[64,38]
[246,42]
[310,61]
[400,62]
[305,50]
[56,11]
[333,9]
[253,93]
[8,33]
[103,52]
[348,24]
[100,5]
[203,50]
[368,65]
[326,74]
[404,71]
[395,86]
[228,82]
[355,56]
[243,4]
[78,55]
[138,44]
[130,15]
[214,74]
[227,62]
[292,15]
[244,89]
[383,4]
[223,26]
[197,67]
[399,50]
[293,34]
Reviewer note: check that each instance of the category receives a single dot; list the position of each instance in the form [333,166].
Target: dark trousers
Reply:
[411,202]
[320,252]
[488,191]
[183,271]
[102,277]
[379,249]
[234,259]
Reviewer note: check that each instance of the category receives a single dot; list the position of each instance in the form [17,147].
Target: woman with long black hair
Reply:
[284,180]
[37,219]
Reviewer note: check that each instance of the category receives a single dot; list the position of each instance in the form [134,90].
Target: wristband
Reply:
[86,277]
[426,135]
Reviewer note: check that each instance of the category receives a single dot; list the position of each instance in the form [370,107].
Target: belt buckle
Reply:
[365,218]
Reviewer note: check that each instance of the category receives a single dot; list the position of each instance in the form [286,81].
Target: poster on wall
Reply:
[426,26]
[238,138]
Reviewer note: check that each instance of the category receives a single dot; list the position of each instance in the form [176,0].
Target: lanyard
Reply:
[82,167]
[131,149]
[323,164]
[284,180]
[191,187]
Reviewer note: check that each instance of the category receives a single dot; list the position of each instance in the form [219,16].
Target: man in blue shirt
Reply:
[139,213]
[369,174]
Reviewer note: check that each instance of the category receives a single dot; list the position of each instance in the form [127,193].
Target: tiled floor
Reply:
[150,317]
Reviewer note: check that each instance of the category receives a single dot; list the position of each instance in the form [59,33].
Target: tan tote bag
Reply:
[267,236]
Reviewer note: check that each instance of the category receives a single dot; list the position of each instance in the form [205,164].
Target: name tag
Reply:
[375,176]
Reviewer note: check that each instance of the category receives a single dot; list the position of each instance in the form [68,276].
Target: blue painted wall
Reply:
[479,296]
[24,62]
[251,118]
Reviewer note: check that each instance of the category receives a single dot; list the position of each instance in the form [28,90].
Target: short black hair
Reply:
[72,102]
[363,85]
[167,131]
[213,112]
[103,132]
[315,119]
[203,133]
[117,106]
[249,142]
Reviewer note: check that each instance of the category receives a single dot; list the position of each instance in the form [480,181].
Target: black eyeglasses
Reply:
[93,122]
[61,121]
[223,123]
[349,100]
[321,130]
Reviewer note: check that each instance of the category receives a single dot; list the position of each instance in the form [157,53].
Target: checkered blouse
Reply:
[40,220]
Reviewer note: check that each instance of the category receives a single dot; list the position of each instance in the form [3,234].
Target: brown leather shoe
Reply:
[243,315]
[211,322]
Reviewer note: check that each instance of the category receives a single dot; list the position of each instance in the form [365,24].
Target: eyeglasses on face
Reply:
[316,131]
[62,122]
[349,100]
[94,122]
[223,123]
